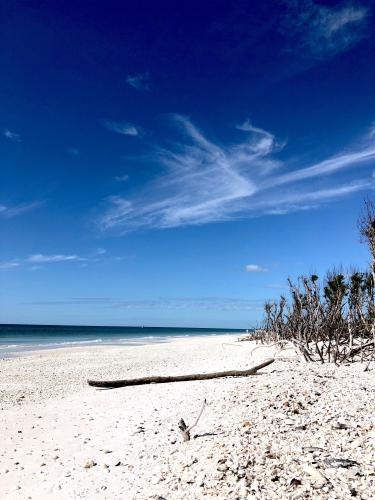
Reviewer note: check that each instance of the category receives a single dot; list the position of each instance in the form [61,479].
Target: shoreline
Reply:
[78,363]
[20,349]
[64,439]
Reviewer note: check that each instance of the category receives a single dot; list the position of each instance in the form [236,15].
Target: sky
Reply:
[171,164]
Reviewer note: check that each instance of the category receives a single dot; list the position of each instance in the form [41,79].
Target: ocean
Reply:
[18,338]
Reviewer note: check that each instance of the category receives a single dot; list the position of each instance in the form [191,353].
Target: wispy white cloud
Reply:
[177,303]
[255,268]
[37,261]
[323,31]
[202,184]
[117,214]
[123,128]
[12,136]
[13,211]
[35,268]
[331,193]
[262,142]
[328,167]
[202,181]
[101,251]
[43,258]
[121,178]
[333,21]
[139,81]
[11,264]
[308,200]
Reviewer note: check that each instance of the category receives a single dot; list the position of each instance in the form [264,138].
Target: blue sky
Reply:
[171,164]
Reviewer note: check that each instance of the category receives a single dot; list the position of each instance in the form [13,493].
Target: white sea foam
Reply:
[131,340]
[50,344]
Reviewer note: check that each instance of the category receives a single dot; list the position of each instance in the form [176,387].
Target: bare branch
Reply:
[178,378]
[199,416]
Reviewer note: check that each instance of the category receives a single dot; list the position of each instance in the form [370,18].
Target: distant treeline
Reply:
[331,319]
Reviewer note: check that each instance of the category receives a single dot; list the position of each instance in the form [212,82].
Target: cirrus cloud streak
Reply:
[202,181]
[175,303]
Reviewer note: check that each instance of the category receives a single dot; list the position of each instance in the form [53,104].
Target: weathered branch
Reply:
[198,417]
[185,430]
[356,350]
[114,384]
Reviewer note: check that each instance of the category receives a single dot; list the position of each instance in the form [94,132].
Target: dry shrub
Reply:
[330,319]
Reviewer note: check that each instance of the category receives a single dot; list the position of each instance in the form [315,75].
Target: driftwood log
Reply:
[114,384]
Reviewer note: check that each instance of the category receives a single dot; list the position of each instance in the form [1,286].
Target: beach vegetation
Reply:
[329,318]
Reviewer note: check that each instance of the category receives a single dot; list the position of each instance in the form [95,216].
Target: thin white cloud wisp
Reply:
[42,258]
[123,128]
[139,81]
[15,210]
[255,268]
[12,136]
[202,181]
[9,264]
[322,31]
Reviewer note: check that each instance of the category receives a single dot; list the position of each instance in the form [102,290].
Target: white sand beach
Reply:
[293,431]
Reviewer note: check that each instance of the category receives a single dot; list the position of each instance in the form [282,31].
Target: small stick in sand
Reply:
[185,430]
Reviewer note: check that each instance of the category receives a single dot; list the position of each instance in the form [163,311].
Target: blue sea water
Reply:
[18,338]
